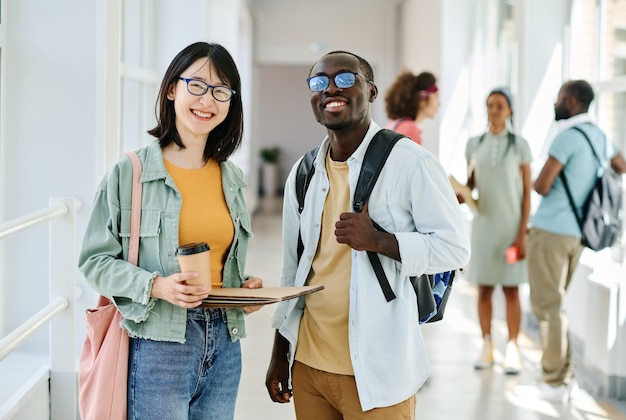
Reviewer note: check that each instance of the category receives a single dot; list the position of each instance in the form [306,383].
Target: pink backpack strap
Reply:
[135,217]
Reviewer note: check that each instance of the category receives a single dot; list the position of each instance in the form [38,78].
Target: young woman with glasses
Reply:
[185,361]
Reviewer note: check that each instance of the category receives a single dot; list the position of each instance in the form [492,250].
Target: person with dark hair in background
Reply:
[347,352]
[499,169]
[409,101]
[185,361]
[554,245]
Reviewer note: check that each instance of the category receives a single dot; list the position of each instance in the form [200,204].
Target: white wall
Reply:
[420,25]
[290,124]
[289,38]
[541,71]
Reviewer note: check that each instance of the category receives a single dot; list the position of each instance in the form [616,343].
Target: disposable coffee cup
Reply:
[196,257]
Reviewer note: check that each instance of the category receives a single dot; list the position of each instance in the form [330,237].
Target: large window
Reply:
[2,76]
[598,54]
[612,73]
[139,78]
[3,319]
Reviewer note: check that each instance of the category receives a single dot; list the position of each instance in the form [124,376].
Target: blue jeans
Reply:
[195,380]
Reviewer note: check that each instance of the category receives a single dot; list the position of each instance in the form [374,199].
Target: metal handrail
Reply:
[15,226]
[60,311]
[14,339]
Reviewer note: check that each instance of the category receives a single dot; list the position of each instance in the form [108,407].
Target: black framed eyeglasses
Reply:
[198,88]
[342,80]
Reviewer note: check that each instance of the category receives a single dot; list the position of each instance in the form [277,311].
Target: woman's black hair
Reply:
[224,139]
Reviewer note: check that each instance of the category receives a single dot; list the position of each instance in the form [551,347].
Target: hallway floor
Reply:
[454,391]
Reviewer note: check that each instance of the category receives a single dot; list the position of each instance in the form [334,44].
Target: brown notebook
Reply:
[238,297]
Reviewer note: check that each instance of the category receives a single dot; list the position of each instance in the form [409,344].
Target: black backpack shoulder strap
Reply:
[570,198]
[511,136]
[304,173]
[373,161]
[510,142]
[479,142]
[375,156]
[581,131]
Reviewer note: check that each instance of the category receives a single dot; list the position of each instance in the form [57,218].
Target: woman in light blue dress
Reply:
[499,169]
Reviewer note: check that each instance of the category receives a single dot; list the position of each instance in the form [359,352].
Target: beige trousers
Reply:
[321,395]
[552,260]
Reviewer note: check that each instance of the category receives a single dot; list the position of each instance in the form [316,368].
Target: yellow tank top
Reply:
[204,216]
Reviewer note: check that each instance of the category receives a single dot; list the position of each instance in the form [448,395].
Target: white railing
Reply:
[60,311]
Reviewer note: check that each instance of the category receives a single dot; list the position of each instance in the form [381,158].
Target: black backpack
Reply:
[600,222]
[432,290]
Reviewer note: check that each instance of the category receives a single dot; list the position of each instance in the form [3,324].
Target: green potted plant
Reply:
[270,154]
[270,157]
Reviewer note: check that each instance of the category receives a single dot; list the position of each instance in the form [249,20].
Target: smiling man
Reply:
[345,351]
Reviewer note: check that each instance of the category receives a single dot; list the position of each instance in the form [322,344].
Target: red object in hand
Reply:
[511,254]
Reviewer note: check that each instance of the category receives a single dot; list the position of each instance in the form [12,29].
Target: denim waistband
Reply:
[208,314]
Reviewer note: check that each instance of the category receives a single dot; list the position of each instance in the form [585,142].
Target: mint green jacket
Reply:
[104,251]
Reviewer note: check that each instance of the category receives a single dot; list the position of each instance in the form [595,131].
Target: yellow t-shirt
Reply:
[204,216]
[323,336]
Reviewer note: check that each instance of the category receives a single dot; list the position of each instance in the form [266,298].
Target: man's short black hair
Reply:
[582,91]
[363,64]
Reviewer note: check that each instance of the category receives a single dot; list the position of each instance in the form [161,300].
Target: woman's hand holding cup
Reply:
[176,291]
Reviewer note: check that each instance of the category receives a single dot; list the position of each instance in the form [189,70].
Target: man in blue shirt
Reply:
[346,351]
[554,245]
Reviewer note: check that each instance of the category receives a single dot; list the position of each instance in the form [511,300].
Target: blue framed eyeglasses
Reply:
[342,80]
[198,88]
